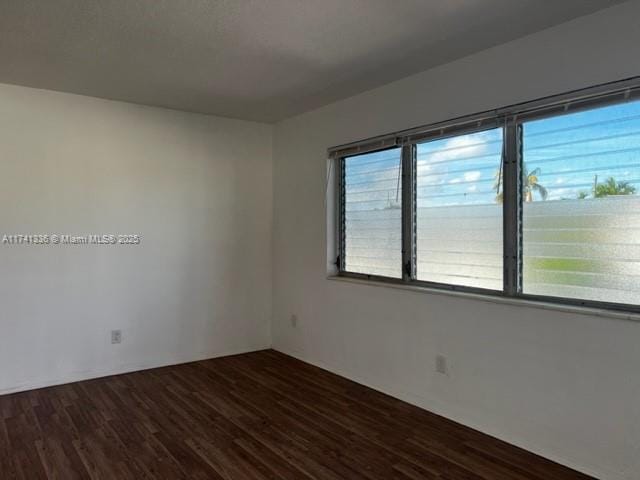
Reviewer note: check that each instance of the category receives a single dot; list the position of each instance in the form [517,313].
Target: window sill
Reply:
[543,305]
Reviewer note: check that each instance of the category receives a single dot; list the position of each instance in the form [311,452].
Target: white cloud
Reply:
[559,193]
[472,176]
[424,167]
[459,147]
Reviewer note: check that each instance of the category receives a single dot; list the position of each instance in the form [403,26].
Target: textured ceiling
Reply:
[253,59]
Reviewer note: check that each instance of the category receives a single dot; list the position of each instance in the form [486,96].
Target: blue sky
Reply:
[569,150]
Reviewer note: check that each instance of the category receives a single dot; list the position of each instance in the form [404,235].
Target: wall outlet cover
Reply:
[116,336]
[441,364]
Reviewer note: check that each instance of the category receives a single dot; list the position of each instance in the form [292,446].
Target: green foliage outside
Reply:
[609,188]
[558,270]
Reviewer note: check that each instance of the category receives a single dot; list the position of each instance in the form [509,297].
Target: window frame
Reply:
[341,238]
[511,120]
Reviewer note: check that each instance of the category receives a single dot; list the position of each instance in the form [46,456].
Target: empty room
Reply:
[319,239]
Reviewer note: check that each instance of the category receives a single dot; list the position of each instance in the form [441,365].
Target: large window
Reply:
[538,201]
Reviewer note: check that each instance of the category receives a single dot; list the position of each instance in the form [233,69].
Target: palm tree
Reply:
[530,184]
[530,181]
[612,187]
[497,184]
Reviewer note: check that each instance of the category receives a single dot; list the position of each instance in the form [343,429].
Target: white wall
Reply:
[199,191]
[565,385]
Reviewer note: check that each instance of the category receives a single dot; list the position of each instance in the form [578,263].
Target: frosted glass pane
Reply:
[459,216]
[373,215]
[581,219]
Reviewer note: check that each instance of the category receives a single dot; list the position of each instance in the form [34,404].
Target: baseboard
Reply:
[460,417]
[80,375]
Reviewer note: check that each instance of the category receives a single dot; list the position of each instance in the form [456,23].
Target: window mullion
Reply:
[408,212]
[341,237]
[512,203]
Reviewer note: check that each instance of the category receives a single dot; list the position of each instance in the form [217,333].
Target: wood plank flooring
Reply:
[261,415]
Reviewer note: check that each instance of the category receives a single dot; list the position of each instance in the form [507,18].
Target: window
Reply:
[372,213]
[538,201]
[459,217]
[581,212]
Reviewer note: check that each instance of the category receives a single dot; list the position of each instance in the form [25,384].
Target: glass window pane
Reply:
[459,216]
[582,208]
[373,215]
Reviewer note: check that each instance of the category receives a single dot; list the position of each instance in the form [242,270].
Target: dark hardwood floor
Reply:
[262,415]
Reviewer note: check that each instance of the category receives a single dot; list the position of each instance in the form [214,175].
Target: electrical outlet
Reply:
[441,364]
[294,320]
[116,336]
